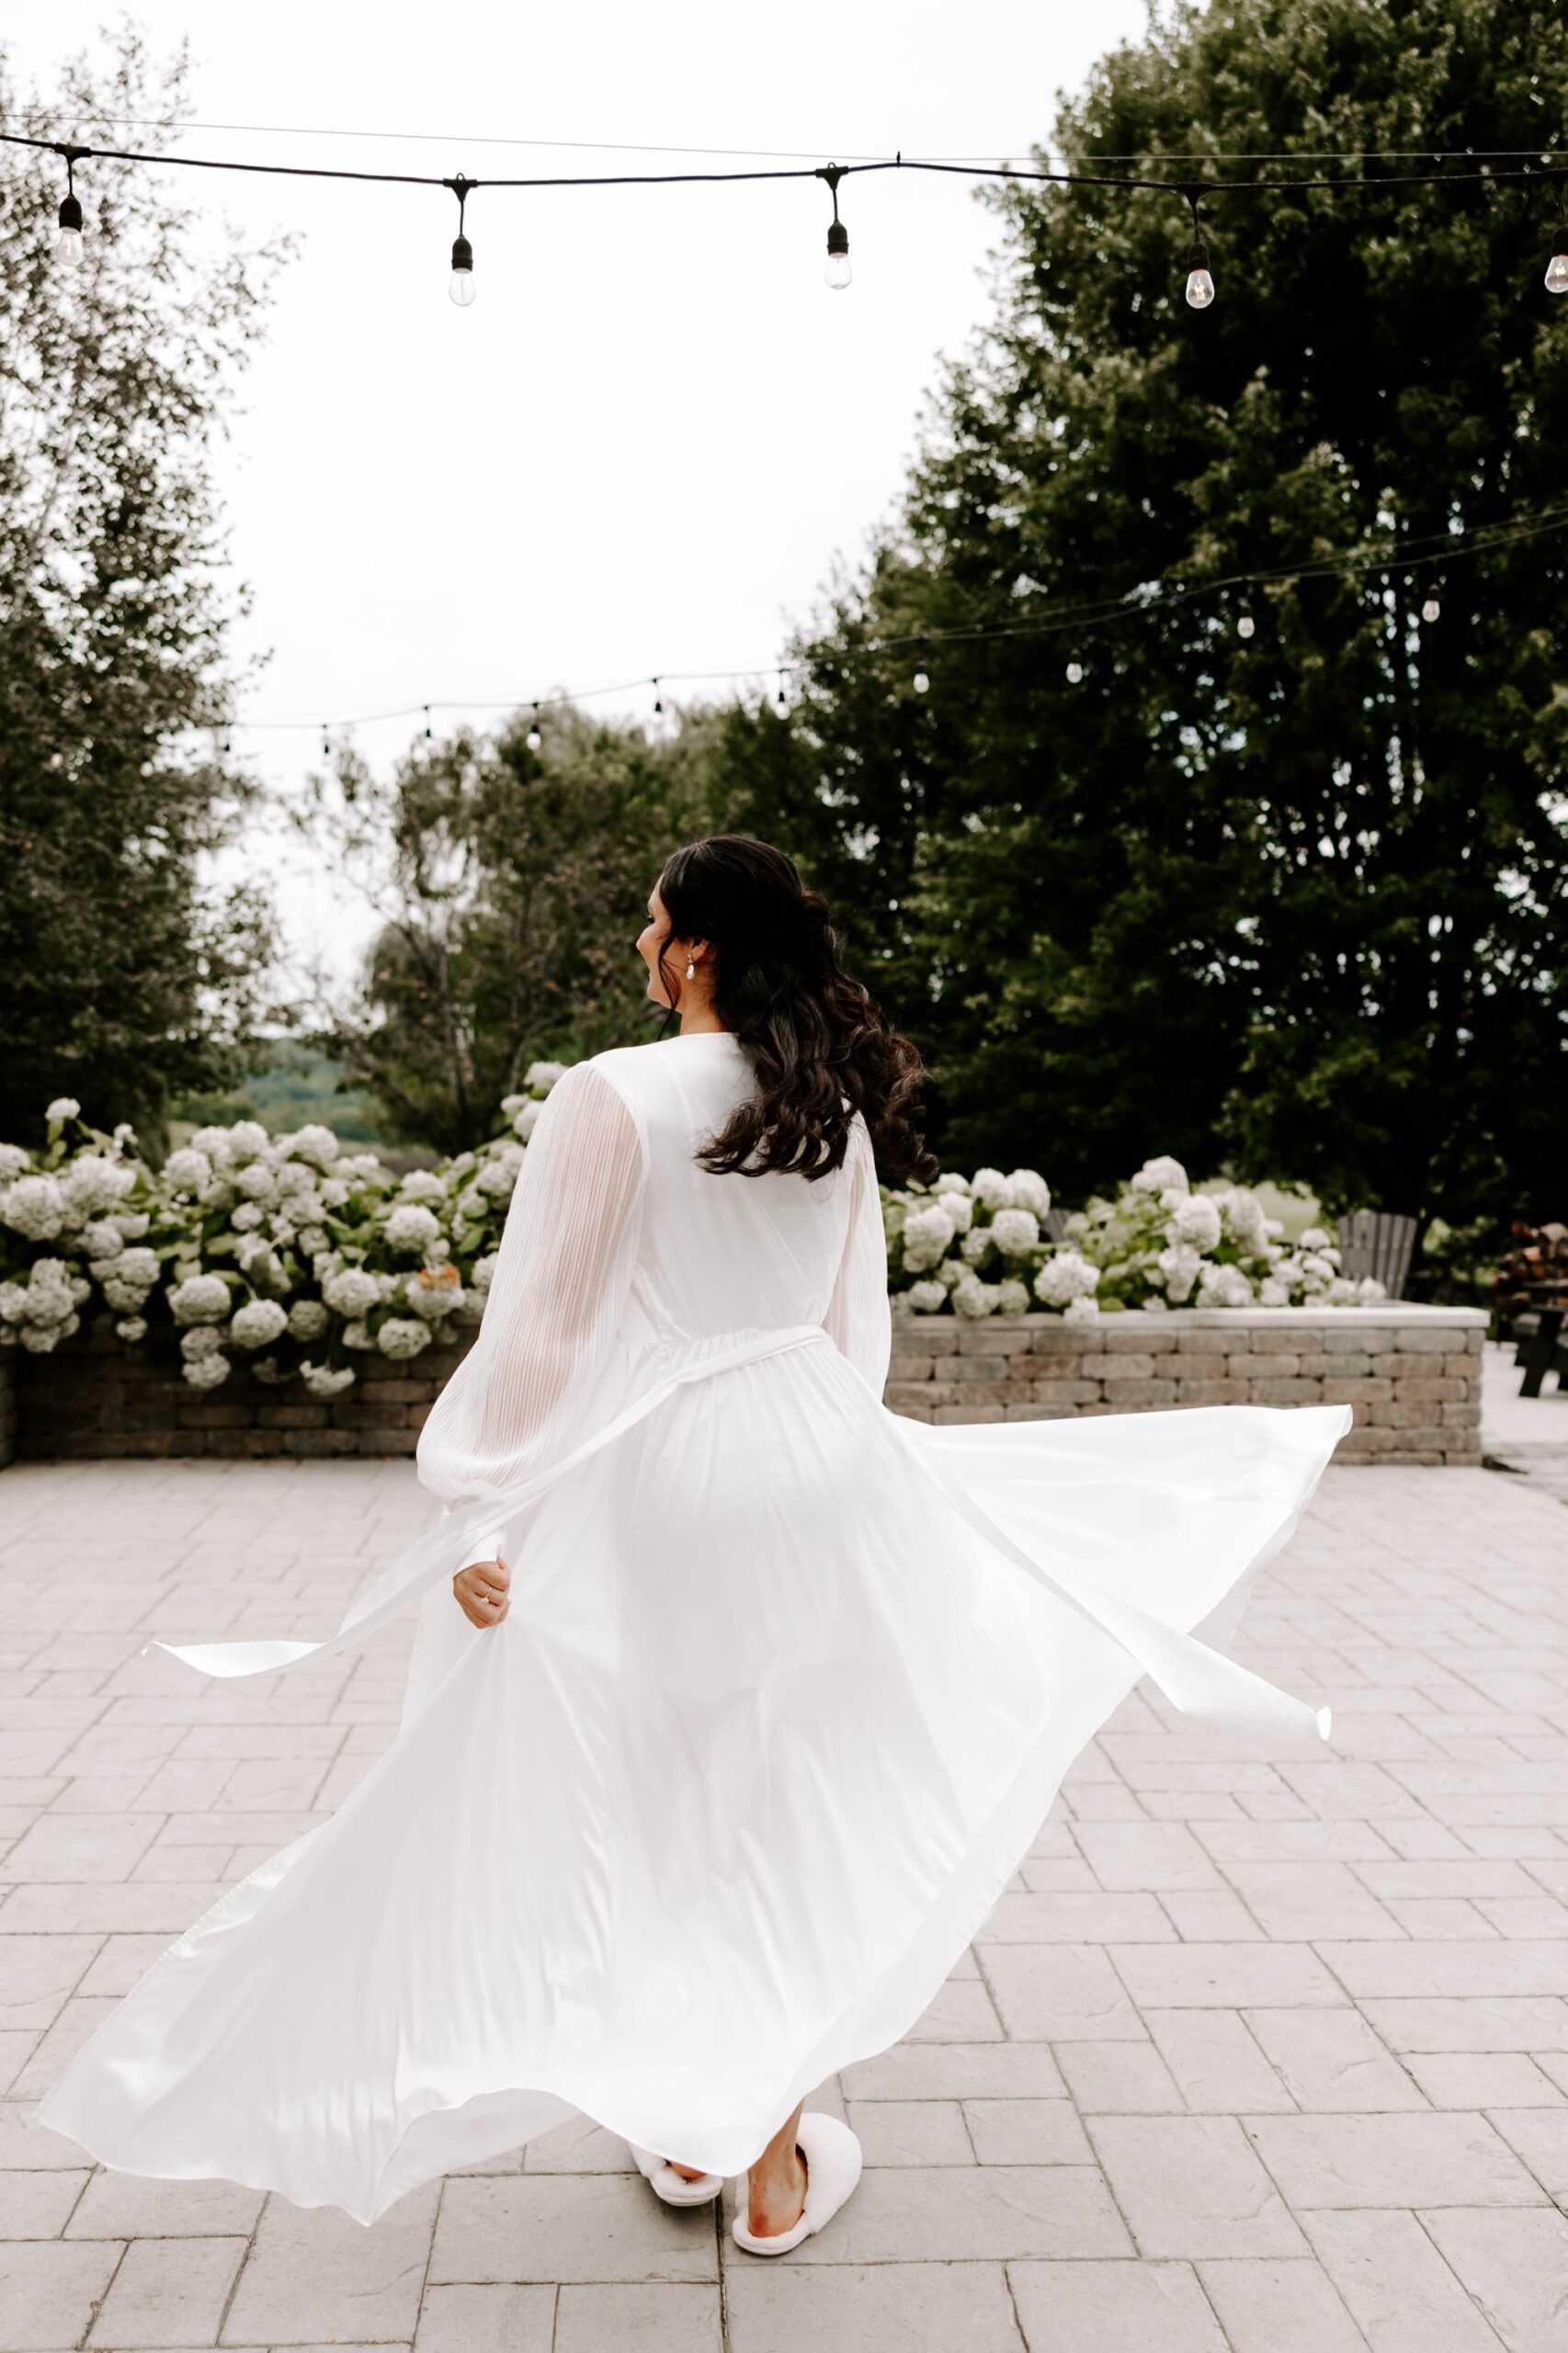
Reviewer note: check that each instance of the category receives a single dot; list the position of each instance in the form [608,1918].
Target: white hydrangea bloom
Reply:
[1223,1287]
[402,1335]
[1317,1266]
[13,1160]
[1316,1238]
[1015,1231]
[1065,1276]
[422,1185]
[64,1106]
[975,1244]
[258,1324]
[973,1298]
[1155,1176]
[201,1340]
[950,1274]
[95,1183]
[431,1297]
[1012,1296]
[1196,1222]
[1242,1214]
[544,1075]
[308,1319]
[219,1195]
[524,1118]
[924,1298]
[1272,1292]
[188,1170]
[1030,1191]
[132,1328]
[352,1293]
[207,1372]
[200,1298]
[950,1181]
[34,1207]
[1180,1267]
[926,1233]
[1156,1305]
[214,1142]
[42,1339]
[247,1217]
[127,1279]
[100,1239]
[13,1302]
[1083,1310]
[294,1180]
[327,1380]
[1370,1288]
[483,1268]
[258,1182]
[990,1187]
[334,1193]
[315,1144]
[247,1139]
[131,1225]
[357,1335]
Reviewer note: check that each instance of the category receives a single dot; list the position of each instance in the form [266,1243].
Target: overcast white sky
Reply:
[640,449]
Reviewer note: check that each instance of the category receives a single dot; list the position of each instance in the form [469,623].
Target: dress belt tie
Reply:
[443,1546]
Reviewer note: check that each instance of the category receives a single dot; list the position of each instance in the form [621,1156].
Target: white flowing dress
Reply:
[786,1685]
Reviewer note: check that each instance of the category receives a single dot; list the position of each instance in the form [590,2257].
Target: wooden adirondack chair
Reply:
[1377,1242]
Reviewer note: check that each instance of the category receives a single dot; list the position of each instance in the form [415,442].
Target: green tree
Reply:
[509,887]
[125,974]
[1297,901]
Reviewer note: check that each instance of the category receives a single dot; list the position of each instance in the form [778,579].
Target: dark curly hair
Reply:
[820,1047]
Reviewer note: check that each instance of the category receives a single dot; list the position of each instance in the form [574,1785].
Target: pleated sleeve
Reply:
[858,1317]
[520,1398]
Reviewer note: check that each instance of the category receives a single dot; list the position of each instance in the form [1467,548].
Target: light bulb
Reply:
[1246,626]
[837,272]
[1430,610]
[1557,268]
[781,704]
[1074,671]
[920,682]
[68,236]
[1200,284]
[533,739]
[462,288]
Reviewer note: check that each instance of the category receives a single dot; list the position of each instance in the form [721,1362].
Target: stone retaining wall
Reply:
[1412,1375]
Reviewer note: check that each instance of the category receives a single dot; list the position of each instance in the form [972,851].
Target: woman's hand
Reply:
[481,1589]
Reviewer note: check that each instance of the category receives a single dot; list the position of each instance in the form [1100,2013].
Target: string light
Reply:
[1074,671]
[1515,164]
[658,704]
[921,681]
[533,739]
[781,700]
[1245,623]
[427,736]
[461,286]
[1432,608]
[838,272]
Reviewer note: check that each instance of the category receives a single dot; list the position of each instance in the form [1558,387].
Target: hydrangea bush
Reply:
[307,1262]
[976,1246]
[284,1251]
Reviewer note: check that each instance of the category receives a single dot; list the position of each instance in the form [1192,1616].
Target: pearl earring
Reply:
[690,969]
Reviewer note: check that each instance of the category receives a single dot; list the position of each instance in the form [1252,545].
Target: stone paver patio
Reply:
[1272,2056]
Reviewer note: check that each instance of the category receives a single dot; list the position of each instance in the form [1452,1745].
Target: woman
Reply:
[736,1699]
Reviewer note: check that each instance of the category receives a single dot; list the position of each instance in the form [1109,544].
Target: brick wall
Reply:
[1412,1375]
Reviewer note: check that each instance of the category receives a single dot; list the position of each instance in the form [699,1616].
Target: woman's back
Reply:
[727,1252]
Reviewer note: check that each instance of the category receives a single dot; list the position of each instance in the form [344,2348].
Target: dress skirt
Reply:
[786,1689]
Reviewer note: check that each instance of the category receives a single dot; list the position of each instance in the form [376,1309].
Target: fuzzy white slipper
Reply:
[833,2168]
[672,2187]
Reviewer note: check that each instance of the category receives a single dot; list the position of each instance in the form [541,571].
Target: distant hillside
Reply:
[297,1084]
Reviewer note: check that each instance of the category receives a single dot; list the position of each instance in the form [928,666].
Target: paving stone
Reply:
[1026,2132]
[984,2213]
[1192,2186]
[1396,2284]
[1514,2266]
[1225,1976]
[168,2292]
[1331,2059]
[1216,2062]
[315,2275]
[1019,2070]
[568,2227]
[1119,2079]
[915,2132]
[486,2319]
[639,2319]
[49,2292]
[1484,2080]
[1540,2137]
[773,2306]
[1111,2308]
[1064,1993]
[1280,2307]
[1360,2161]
